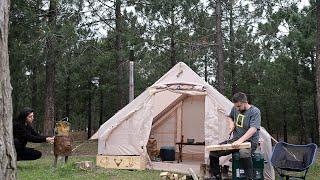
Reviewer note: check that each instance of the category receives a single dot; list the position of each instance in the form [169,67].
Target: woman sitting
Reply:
[23,133]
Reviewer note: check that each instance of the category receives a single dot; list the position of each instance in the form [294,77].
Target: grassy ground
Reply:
[85,151]
[314,171]
[42,169]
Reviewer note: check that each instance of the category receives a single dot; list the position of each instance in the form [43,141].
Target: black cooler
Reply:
[167,153]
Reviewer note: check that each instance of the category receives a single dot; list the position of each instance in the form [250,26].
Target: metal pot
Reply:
[190,141]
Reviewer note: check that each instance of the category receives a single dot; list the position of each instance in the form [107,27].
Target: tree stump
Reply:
[204,170]
[84,165]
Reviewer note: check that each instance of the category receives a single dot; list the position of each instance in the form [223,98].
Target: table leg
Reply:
[180,153]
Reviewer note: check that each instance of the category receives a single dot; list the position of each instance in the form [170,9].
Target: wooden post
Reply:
[193,174]
[131,79]
[179,124]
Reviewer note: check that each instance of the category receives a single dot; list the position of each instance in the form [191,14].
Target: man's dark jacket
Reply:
[25,133]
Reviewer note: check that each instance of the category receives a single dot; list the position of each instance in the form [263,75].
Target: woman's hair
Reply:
[23,114]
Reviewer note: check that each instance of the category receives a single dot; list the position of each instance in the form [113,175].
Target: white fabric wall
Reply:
[166,131]
[163,99]
[266,149]
[130,134]
[193,123]
[119,141]
[216,128]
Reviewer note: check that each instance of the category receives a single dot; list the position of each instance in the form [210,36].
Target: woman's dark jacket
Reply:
[25,133]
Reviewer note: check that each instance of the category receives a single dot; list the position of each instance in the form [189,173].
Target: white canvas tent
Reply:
[179,105]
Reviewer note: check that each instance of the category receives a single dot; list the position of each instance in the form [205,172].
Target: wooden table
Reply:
[222,147]
[181,144]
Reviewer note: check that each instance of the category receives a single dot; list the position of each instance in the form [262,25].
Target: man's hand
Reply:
[50,140]
[237,143]
[245,137]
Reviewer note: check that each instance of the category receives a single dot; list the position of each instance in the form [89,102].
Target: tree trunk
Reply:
[118,45]
[266,105]
[219,46]
[172,40]
[101,107]
[34,76]
[89,111]
[234,87]
[285,125]
[172,51]
[8,165]
[299,102]
[301,112]
[318,67]
[50,72]
[206,68]
[314,125]
[67,95]
[34,88]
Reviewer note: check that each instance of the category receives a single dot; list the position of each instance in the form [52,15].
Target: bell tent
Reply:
[177,108]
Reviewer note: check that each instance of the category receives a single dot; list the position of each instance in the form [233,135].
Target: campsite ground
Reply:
[42,168]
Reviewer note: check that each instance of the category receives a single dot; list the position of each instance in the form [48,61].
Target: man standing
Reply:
[244,121]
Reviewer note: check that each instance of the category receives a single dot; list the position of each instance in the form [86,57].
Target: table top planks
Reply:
[227,147]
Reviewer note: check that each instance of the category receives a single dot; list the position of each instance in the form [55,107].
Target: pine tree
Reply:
[8,166]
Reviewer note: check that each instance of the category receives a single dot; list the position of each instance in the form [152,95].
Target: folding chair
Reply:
[288,158]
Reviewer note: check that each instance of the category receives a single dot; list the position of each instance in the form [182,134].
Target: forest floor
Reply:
[86,151]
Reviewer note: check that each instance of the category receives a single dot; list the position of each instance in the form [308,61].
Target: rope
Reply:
[77,146]
[274,139]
